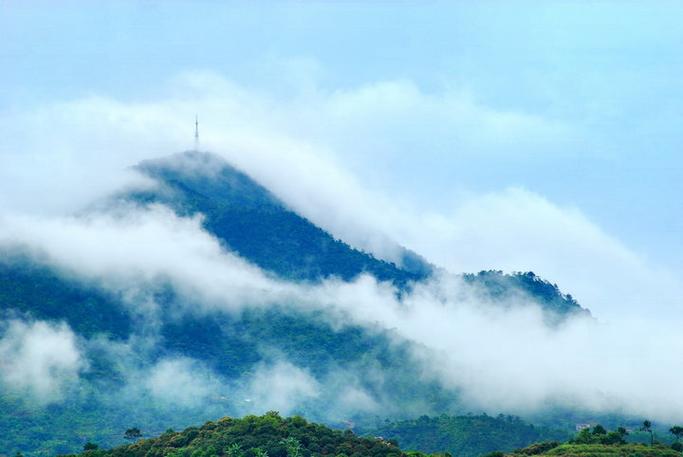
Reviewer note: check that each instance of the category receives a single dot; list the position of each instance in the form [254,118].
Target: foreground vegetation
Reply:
[595,450]
[466,436]
[598,442]
[255,436]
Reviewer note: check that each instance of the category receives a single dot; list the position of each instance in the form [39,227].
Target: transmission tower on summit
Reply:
[196,133]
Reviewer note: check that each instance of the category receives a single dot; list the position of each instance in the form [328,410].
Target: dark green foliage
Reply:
[599,435]
[599,430]
[603,450]
[32,288]
[306,338]
[538,448]
[466,435]
[132,434]
[90,446]
[255,436]
[647,427]
[497,286]
[676,431]
[596,442]
[256,225]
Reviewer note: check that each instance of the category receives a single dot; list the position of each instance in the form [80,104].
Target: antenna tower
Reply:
[196,133]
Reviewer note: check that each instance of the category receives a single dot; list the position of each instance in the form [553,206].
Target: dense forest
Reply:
[597,441]
[253,436]
[275,436]
[466,436]
[254,223]
[250,221]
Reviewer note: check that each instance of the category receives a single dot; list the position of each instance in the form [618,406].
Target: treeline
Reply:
[597,441]
[255,436]
[599,435]
[466,436]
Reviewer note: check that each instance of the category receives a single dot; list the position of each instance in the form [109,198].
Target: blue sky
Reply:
[604,75]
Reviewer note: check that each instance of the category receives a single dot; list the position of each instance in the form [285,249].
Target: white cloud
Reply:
[497,358]
[184,382]
[298,148]
[138,247]
[304,147]
[509,360]
[39,358]
[308,139]
[281,387]
[517,230]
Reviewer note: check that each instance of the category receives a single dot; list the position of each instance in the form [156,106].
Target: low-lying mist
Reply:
[496,357]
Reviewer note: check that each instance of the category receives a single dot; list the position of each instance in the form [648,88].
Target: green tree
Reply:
[599,430]
[676,431]
[234,450]
[293,446]
[132,434]
[647,427]
[258,452]
[89,446]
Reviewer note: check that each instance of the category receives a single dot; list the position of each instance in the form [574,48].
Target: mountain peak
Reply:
[258,226]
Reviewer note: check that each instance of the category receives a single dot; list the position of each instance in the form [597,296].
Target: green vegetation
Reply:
[251,221]
[598,442]
[466,436]
[256,436]
[497,286]
[29,287]
[605,450]
[599,435]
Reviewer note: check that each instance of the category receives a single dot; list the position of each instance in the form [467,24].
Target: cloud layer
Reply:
[502,359]
[506,360]
[316,150]
[38,358]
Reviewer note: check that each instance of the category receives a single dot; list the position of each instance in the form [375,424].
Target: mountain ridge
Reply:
[248,220]
[280,240]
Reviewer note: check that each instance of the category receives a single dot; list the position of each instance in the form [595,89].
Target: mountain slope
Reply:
[370,365]
[255,224]
[497,286]
[251,221]
[29,286]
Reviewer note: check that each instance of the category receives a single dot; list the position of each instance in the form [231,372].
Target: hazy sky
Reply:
[602,79]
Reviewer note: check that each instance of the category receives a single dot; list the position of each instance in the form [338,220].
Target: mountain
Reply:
[124,340]
[256,436]
[256,225]
[466,436]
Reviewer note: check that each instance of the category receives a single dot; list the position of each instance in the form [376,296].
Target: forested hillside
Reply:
[597,441]
[254,223]
[123,332]
[467,436]
[256,436]
[251,221]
